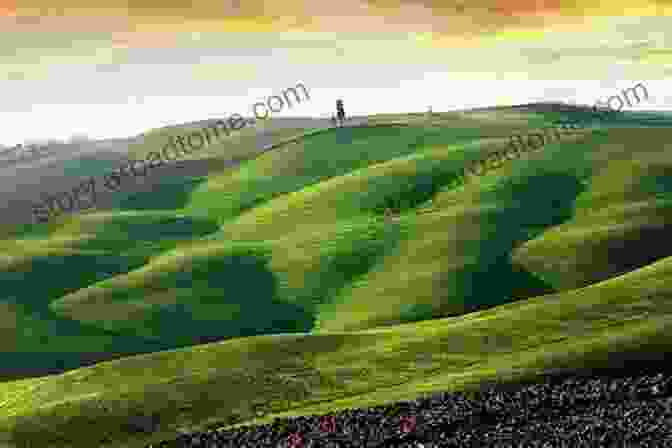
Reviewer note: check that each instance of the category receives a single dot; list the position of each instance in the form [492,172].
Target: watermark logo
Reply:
[176,148]
[537,140]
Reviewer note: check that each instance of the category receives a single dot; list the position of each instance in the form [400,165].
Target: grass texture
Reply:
[278,287]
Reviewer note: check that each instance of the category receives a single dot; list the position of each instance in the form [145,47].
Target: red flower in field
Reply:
[407,423]
[295,441]
[328,424]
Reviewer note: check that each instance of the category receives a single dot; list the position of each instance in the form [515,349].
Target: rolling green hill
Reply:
[317,300]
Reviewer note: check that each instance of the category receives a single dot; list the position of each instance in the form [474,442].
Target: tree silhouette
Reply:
[340,111]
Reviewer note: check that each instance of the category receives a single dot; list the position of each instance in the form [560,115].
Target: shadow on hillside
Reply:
[28,364]
[45,278]
[338,270]
[32,287]
[636,248]
[241,281]
[416,191]
[233,296]
[527,206]
[168,194]
[123,233]
[617,230]
[49,277]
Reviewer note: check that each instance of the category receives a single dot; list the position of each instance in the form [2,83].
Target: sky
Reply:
[123,67]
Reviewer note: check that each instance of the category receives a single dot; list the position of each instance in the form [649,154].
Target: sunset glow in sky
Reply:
[118,69]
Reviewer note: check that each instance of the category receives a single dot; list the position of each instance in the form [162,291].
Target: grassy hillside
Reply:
[623,319]
[559,257]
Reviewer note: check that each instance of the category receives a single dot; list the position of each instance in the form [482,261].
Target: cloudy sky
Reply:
[123,67]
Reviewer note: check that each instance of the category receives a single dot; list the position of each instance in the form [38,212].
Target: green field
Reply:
[277,287]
